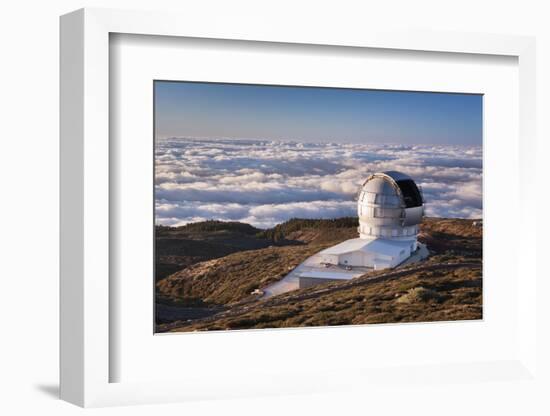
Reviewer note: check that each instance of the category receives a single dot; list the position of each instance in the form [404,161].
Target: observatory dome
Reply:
[390,206]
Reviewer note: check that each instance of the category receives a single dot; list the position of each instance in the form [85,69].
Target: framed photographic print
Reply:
[261,212]
[281,206]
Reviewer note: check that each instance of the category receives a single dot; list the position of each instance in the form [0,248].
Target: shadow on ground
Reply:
[51,390]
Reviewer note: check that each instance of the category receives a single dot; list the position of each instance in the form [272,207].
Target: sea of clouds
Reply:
[264,182]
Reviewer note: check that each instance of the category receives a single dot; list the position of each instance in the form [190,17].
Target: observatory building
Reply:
[390,209]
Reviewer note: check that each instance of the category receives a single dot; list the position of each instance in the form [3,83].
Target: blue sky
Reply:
[209,110]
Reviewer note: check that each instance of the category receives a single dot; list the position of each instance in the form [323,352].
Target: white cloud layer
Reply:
[264,183]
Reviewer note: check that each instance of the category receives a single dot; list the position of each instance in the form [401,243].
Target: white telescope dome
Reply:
[390,206]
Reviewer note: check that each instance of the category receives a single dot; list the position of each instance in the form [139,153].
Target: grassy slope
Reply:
[452,236]
[179,247]
[421,296]
[231,278]
[215,265]
[434,295]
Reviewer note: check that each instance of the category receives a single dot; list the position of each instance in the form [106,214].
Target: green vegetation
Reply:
[209,226]
[285,230]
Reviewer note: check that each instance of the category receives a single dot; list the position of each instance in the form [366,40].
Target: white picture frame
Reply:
[85,210]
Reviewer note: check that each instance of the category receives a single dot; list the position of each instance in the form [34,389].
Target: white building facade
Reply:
[390,209]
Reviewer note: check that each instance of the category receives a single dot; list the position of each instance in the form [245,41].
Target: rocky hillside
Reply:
[223,283]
